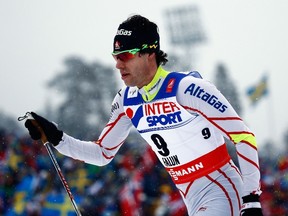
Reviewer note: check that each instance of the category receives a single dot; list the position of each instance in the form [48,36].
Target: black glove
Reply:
[251,206]
[52,133]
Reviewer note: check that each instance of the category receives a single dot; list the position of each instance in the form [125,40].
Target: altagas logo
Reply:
[123,32]
[207,97]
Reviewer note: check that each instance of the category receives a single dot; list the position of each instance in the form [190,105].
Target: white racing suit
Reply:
[184,119]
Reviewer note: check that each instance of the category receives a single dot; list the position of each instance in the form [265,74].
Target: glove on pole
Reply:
[41,128]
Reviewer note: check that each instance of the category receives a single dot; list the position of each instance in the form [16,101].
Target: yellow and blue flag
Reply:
[258,91]
[58,204]
[23,193]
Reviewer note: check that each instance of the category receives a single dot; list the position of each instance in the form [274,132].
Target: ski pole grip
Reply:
[43,136]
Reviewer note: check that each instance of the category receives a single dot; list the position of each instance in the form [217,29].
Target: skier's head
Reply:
[138,34]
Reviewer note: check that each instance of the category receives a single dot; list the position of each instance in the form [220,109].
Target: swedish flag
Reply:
[258,91]
[23,193]
[58,204]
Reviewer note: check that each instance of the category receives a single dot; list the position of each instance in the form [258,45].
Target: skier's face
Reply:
[135,70]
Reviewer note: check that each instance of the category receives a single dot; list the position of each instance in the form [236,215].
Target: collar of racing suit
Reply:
[149,91]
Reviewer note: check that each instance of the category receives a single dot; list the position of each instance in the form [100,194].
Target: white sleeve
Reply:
[102,151]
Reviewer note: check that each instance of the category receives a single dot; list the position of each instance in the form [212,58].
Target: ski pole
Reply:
[61,176]
[54,161]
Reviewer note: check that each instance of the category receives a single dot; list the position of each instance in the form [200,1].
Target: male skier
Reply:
[183,117]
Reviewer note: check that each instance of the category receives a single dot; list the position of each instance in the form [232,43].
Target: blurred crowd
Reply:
[134,183]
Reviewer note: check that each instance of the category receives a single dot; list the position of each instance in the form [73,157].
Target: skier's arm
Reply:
[103,150]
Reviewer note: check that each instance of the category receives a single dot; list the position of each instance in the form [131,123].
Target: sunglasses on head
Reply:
[125,55]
